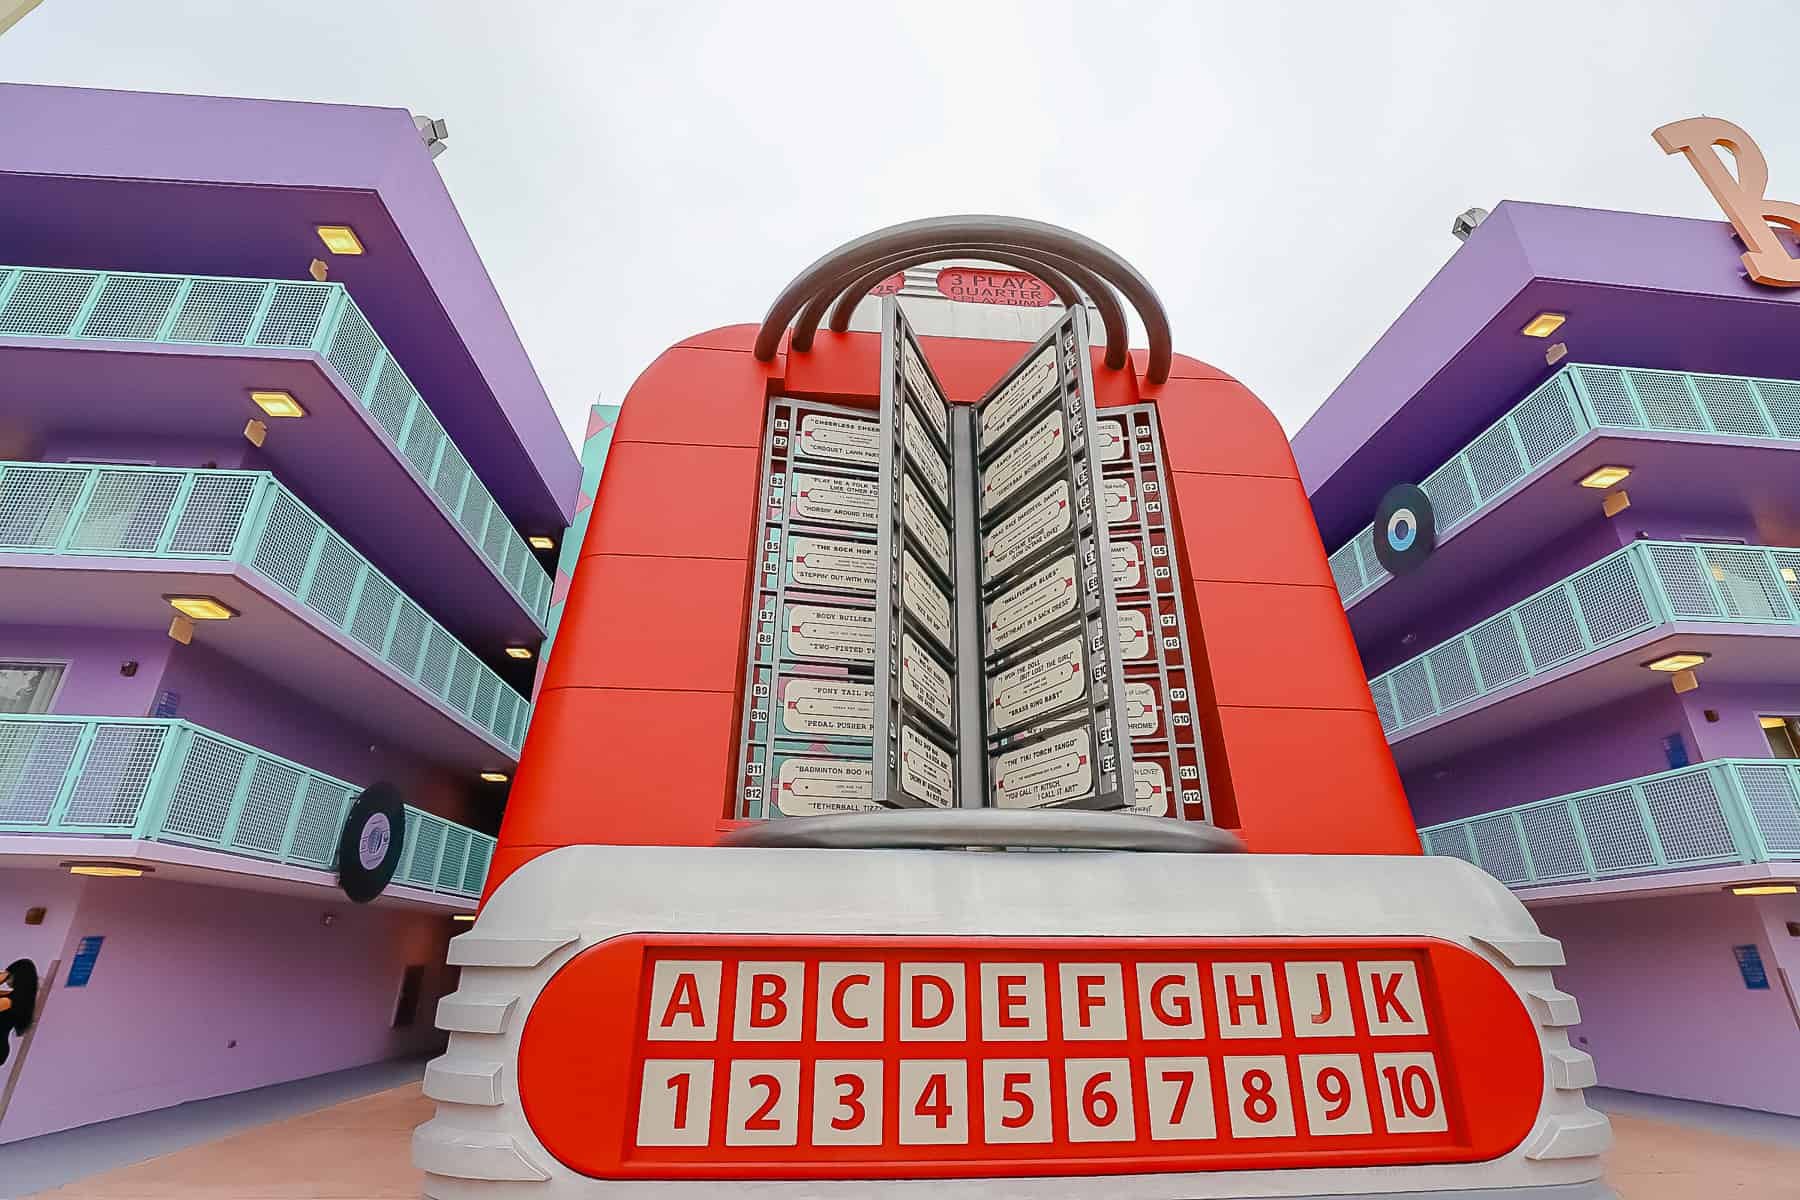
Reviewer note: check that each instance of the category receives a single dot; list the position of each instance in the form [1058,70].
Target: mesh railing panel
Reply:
[1452,498]
[1746,583]
[392,399]
[1552,635]
[1609,397]
[354,348]
[1494,461]
[1498,849]
[34,761]
[454,858]
[1667,401]
[322,808]
[274,790]
[212,516]
[1554,845]
[1690,819]
[1770,792]
[205,789]
[1611,600]
[1545,422]
[1732,406]
[427,834]
[294,312]
[131,307]
[46,303]
[36,503]
[115,776]
[125,512]
[218,312]
[1782,398]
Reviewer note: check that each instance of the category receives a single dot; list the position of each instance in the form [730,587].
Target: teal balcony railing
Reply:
[1726,811]
[198,310]
[1572,403]
[248,518]
[1633,589]
[176,783]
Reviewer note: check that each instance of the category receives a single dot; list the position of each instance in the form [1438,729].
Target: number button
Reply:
[1015,1100]
[847,1102]
[934,1102]
[1336,1101]
[1099,1100]
[675,1103]
[763,1104]
[1178,1092]
[1262,1105]
[1411,1101]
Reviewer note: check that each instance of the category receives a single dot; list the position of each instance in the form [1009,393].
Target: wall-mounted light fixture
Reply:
[202,608]
[1544,324]
[540,542]
[277,403]
[340,239]
[518,652]
[1765,889]
[108,870]
[493,776]
[1604,477]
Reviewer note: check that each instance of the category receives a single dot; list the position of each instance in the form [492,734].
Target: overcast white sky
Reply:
[1284,173]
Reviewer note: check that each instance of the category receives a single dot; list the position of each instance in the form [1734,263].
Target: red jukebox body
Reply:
[852,603]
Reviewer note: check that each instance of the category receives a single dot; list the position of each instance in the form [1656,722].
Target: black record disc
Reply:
[1405,529]
[371,842]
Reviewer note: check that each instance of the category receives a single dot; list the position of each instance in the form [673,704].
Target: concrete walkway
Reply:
[358,1150]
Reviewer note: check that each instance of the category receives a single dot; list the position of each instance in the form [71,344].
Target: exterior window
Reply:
[28,687]
[1783,734]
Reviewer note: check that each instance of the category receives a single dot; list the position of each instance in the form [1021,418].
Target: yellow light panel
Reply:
[1604,477]
[518,652]
[202,608]
[1677,662]
[105,872]
[493,776]
[1544,324]
[340,239]
[540,542]
[1772,722]
[462,916]
[278,404]
[1766,889]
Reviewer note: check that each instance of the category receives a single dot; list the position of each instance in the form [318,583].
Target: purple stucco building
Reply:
[280,495]
[1592,687]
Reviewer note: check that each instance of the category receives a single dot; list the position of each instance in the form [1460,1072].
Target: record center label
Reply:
[835,499]
[1042,598]
[925,771]
[1040,684]
[840,634]
[827,707]
[1020,395]
[840,439]
[807,787]
[923,523]
[1027,531]
[925,601]
[1055,771]
[924,683]
[1040,446]
[925,457]
[837,566]
[930,399]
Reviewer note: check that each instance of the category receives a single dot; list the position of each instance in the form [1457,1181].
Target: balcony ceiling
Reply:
[1639,290]
[194,185]
[273,636]
[1695,475]
[335,457]
[1749,654]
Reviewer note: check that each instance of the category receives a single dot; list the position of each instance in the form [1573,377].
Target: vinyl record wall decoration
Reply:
[1405,529]
[371,842]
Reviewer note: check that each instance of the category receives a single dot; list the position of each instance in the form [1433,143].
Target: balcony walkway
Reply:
[360,1150]
[110,308]
[133,518]
[1559,414]
[94,787]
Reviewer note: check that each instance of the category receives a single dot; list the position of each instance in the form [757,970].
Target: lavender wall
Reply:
[1663,1007]
[1736,734]
[91,683]
[201,991]
[219,694]
[1621,741]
